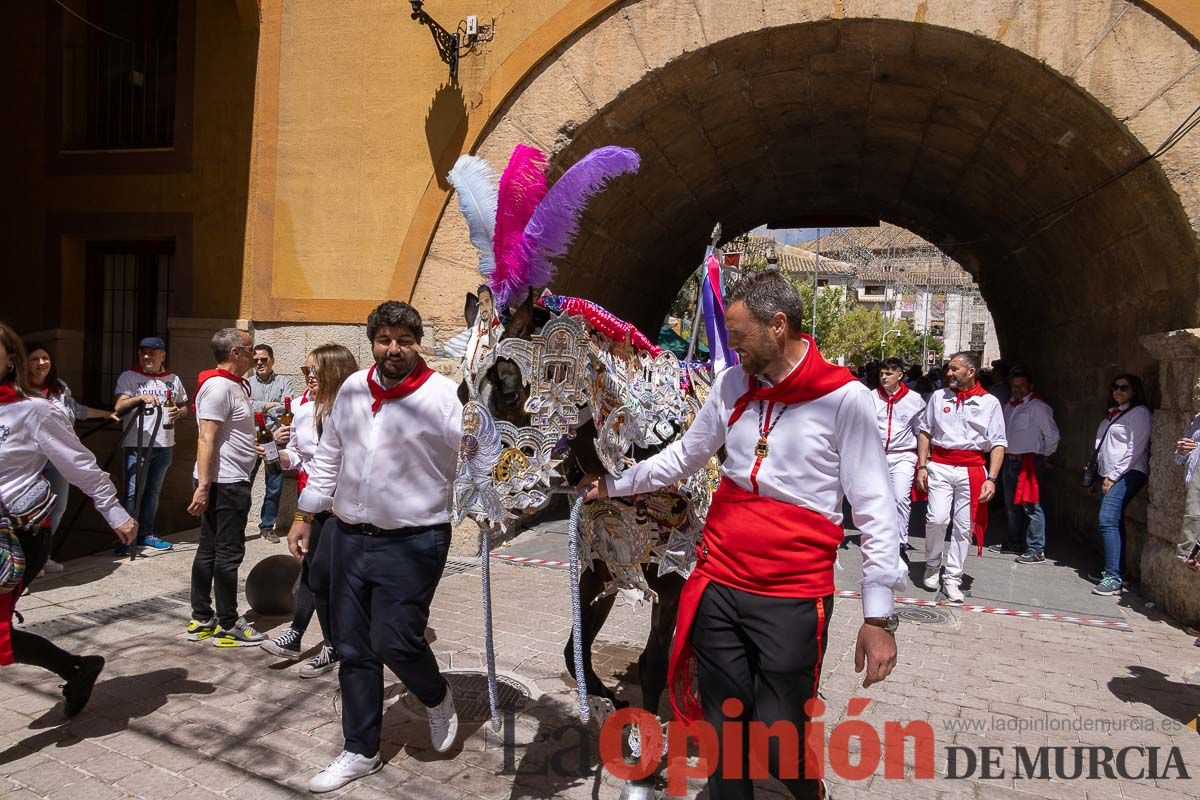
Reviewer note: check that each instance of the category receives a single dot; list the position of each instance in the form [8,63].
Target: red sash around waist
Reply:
[1027,489]
[754,544]
[976,464]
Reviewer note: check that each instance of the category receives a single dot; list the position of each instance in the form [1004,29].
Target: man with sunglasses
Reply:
[267,391]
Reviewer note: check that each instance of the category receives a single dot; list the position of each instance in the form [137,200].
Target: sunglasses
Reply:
[261,360]
[308,372]
[1121,387]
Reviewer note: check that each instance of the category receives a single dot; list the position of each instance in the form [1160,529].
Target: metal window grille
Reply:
[119,83]
[129,290]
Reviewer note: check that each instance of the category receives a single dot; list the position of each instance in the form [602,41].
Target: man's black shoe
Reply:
[1032,557]
[1003,548]
[78,688]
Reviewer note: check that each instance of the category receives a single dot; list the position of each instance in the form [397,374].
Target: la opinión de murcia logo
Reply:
[853,749]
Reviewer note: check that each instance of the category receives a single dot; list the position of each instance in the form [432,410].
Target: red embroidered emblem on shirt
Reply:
[946,410]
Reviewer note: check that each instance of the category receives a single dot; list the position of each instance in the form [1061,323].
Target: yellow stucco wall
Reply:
[366,121]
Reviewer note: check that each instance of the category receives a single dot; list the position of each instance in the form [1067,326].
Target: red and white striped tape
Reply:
[1004,612]
[909,601]
[537,562]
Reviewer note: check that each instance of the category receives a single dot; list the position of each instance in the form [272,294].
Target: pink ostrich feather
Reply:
[522,187]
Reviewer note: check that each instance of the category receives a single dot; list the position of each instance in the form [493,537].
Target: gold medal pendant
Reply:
[760,449]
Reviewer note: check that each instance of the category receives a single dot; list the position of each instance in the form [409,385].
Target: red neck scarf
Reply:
[163,373]
[974,391]
[1027,398]
[892,399]
[414,380]
[815,377]
[1114,412]
[304,398]
[9,395]
[208,374]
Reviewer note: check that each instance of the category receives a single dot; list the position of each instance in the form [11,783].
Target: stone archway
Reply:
[978,131]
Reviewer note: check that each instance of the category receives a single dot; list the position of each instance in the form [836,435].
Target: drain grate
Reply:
[125,611]
[183,596]
[923,615]
[57,627]
[457,566]
[471,698]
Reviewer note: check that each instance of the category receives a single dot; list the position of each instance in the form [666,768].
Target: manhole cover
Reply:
[923,615]
[471,697]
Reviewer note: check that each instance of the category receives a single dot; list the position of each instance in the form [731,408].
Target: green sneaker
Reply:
[242,634]
[198,631]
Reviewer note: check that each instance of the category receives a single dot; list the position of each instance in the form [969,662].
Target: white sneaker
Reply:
[52,566]
[345,768]
[443,723]
[953,593]
[933,579]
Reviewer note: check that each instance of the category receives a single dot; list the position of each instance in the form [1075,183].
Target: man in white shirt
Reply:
[898,412]
[1032,438]
[960,450]
[225,457]
[151,384]
[799,434]
[385,465]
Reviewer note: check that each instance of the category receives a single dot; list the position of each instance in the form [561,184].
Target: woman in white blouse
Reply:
[44,376]
[326,368]
[34,432]
[1123,469]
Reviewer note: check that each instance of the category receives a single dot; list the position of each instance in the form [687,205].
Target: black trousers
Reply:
[380,592]
[312,594]
[766,653]
[29,648]
[220,552]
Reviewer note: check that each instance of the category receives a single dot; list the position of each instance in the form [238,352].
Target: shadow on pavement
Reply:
[114,704]
[1174,699]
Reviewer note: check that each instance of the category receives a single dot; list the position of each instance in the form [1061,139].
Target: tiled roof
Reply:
[787,258]
[915,261]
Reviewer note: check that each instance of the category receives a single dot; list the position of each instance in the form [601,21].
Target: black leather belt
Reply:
[367,529]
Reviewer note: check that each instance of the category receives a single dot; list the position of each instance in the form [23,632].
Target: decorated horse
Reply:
[557,388]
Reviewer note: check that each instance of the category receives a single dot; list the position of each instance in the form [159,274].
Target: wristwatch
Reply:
[889,624]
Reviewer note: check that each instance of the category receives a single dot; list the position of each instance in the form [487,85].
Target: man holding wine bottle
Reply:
[225,460]
[162,395]
[270,395]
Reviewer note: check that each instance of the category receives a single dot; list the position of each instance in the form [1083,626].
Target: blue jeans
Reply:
[1026,517]
[157,461]
[1112,519]
[270,506]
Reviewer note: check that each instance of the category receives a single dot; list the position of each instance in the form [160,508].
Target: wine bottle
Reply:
[168,404]
[267,442]
[286,417]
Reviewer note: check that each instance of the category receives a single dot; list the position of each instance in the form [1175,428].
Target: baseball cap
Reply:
[152,343]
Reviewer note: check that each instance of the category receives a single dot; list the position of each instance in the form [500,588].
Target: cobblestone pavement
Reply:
[171,718]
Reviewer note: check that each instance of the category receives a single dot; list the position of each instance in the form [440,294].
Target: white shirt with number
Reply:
[227,402]
[132,383]
[391,469]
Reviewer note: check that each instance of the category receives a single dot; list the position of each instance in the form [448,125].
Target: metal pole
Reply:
[928,302]
[816,269]
[716,237]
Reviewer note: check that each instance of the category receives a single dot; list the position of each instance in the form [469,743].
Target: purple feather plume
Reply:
[555,222]
[522,187]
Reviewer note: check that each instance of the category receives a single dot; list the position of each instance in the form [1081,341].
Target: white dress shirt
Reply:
[898,422]
[34,431]
[1127,445]
[1029,426]
[393,469]
[975,424]
[303,445]
[819,451]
